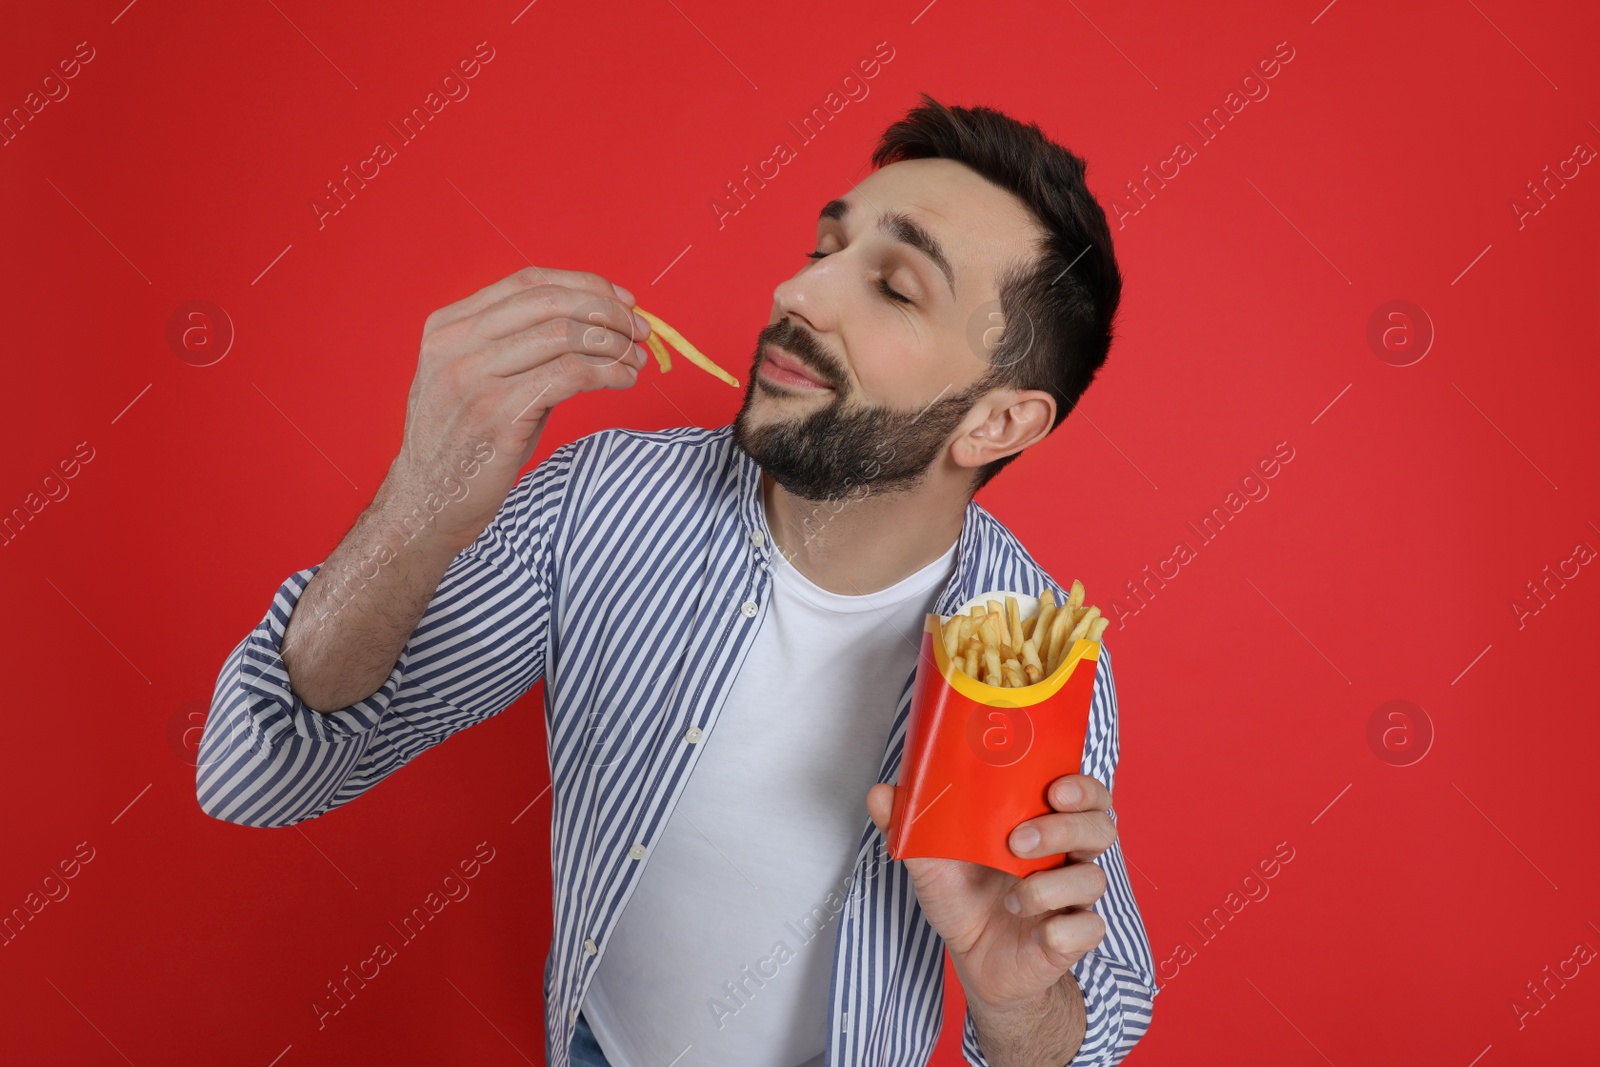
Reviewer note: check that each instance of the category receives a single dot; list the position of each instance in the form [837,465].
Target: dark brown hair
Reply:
[1057,310]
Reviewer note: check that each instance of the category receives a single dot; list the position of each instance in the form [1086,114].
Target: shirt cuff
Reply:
[1117,1006]
[277,712]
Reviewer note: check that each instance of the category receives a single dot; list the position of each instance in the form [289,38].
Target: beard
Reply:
[823,454]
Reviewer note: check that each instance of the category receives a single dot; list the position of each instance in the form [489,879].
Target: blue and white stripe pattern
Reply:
[631,571]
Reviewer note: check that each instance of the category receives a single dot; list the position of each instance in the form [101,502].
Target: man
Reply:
[727,626]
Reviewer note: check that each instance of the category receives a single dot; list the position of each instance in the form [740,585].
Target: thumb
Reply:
[880,805]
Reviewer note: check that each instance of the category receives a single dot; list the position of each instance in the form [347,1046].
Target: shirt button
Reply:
[749,608]
[757,538]
[589,946]
[693,735]
[572,1016]
[636,852]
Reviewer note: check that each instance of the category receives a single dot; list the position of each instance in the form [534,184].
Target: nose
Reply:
[804,297]
[814,301]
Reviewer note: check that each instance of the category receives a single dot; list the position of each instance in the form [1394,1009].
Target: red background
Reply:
[1382,566]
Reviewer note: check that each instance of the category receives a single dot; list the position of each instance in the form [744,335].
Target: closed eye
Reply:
[883,284]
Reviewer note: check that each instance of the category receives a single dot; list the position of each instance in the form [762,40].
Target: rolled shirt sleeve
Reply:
[268,759]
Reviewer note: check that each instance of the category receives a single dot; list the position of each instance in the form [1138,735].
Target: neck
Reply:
[861,544]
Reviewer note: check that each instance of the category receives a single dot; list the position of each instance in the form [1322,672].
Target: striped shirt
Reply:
[630,571]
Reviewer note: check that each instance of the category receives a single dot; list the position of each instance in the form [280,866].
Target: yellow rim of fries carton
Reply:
[1006,696]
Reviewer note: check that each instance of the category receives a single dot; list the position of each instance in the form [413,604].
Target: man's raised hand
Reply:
[491,368]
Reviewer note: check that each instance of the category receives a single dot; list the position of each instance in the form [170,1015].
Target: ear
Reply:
[1008,420]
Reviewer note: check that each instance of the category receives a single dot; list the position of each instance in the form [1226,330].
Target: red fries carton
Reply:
[979,758]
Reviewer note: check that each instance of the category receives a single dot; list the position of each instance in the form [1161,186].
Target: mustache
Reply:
[803,346]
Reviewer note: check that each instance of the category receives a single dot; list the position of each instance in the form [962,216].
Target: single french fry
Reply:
[1014,618]
[991,667]
[970,658]
[1098,627]
[1028,624]
[1013,674]
[1002,631]
[991,631]
[1075,596]
[1080,631]
[690,352]
[1059,628]
[1030,655]
[1047,614]
[950,633]
[663,358]
[1032,673]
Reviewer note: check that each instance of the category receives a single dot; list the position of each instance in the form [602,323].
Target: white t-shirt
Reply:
[722,954]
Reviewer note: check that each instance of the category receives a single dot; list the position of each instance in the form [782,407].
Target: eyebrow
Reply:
[905,229]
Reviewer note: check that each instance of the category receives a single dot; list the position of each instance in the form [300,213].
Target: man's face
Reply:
[887,323]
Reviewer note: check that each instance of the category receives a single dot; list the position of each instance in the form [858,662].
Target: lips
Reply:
[783,361]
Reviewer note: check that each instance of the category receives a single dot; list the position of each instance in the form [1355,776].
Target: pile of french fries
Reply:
[1012,651]
[659,329]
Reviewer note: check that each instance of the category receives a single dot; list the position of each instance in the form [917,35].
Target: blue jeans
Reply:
[585,1049]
